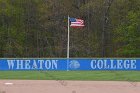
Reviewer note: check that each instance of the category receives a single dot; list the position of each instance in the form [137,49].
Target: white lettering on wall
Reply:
[133,64]
[10,64]
[27,64]
[19,64]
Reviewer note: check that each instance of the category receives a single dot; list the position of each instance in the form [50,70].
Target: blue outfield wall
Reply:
[70,64]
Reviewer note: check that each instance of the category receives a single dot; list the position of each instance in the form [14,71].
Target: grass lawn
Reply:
[72,75]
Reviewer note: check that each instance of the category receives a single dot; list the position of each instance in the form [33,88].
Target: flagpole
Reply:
[68,38]
[68,44]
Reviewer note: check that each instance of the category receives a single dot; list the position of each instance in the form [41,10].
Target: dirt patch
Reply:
[60,86]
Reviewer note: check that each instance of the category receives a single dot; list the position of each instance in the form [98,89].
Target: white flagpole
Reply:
[68,38]
[68,45]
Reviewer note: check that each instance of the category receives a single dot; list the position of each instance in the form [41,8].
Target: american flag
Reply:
[76,22]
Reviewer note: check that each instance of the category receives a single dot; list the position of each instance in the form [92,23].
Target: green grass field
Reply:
[72,75]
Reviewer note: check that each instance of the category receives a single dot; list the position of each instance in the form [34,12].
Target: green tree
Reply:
[126,28]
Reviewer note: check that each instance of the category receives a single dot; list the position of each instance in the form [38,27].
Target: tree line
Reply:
[38,28]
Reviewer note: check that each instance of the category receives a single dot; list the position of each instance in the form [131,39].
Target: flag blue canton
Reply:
[72,19]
